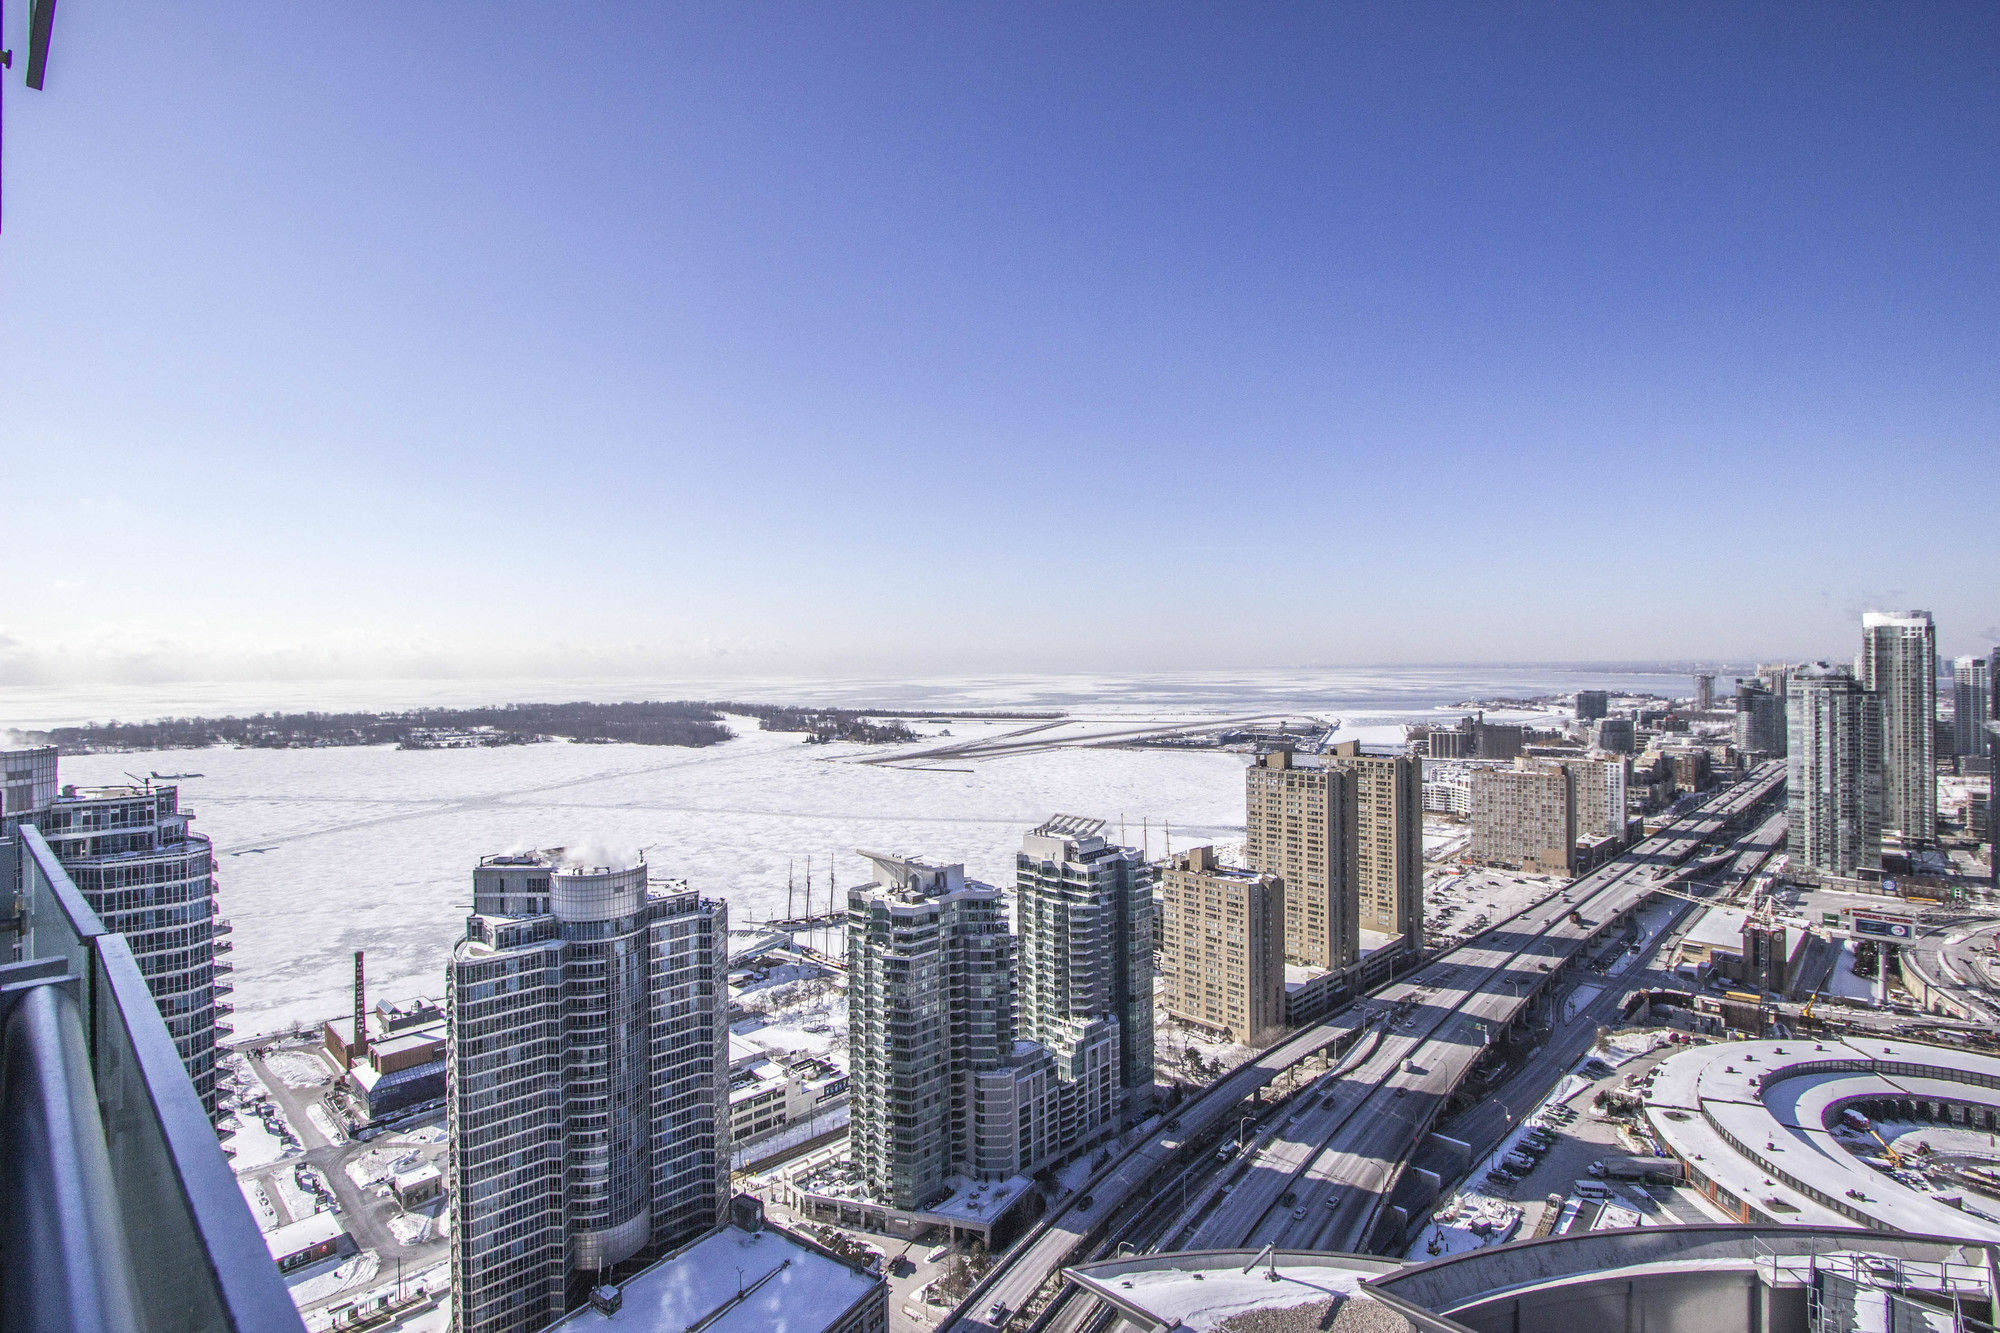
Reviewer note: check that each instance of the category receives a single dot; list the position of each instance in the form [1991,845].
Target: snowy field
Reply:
[322,852]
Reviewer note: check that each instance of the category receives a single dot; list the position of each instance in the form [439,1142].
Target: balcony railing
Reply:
[118,1212]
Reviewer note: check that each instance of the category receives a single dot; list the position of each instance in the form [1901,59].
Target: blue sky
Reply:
[610,339]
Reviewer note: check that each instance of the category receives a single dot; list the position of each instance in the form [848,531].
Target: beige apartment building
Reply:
[1222,945]
[1597,794]
[1388,839]
[1524,819]
[1299,822]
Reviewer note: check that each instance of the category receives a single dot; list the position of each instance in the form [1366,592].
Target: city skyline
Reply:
[795,343]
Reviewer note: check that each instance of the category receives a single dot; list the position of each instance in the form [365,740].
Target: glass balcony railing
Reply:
[118,1212]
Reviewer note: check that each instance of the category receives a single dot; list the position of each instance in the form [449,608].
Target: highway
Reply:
[1339,1147]
[1955,970]
[1339,1160]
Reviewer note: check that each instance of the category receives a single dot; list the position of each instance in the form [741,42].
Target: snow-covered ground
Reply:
[260,1205]
[291,1185]
[1467,1222]
[250,1143]
[793,1008]
[1844,983]
[316,1282]
[299,1069]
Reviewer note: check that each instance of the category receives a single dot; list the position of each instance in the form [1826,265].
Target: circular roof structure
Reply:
[1758,1127]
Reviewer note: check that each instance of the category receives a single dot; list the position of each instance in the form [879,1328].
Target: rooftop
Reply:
[1719,928]
[303,1234]
[1752,1116]
[735,1281]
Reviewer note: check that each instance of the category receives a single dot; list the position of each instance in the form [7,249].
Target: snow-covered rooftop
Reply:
[736,1281]
[1752,1117]
[1719,928]
[1202,1292]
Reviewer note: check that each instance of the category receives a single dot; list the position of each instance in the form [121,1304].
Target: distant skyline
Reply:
[468,341]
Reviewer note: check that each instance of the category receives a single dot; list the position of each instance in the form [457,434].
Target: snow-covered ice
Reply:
[323,851]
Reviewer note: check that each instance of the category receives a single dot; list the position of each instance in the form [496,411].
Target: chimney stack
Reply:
[360,1047]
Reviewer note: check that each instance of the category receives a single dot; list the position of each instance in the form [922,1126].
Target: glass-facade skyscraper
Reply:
[587,1082]
[1834,774]
[148,877]
[1898,663]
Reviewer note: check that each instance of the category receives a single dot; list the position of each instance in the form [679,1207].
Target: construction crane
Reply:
[1895,1158]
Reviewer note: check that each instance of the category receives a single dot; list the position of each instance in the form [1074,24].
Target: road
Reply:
[1339,1159]
[1349,1147]
[1957,967]
[365,1214]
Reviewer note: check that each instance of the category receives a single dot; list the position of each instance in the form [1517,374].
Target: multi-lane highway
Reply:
[1336,1150]
[1323,1181]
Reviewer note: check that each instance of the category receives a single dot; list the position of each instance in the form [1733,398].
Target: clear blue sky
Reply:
[477,338]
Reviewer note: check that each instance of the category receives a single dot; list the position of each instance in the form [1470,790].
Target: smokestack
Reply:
[360,1047]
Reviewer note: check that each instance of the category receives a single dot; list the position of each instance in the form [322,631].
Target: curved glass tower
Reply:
[149,878]
[586,1082]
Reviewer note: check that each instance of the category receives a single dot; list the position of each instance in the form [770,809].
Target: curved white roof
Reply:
[1752,1116]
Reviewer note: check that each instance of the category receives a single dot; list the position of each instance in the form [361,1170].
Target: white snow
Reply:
[1579,998]
[1223,1293]
[284,1183]
[324,1124]
[299,1069]
[260,1205]
[318,1281]
[1844,983]
[251,1143]
[373,848]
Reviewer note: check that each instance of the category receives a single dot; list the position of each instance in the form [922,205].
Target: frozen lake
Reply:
[321,852]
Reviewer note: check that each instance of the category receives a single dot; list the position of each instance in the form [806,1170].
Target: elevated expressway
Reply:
[1952,969]
[1339,1145]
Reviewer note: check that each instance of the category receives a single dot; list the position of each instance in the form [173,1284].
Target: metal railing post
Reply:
[68,1264]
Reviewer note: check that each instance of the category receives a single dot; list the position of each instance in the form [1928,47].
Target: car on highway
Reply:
[1299,1211]
[1226,1151]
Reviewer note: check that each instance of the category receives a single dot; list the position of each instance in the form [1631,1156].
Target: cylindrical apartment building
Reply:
[586,1082]
[130,853]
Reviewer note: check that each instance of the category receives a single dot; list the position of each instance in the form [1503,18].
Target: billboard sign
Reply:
[1882,925]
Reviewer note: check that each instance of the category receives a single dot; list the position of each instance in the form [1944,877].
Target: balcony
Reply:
[220,926]
[117,1209]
